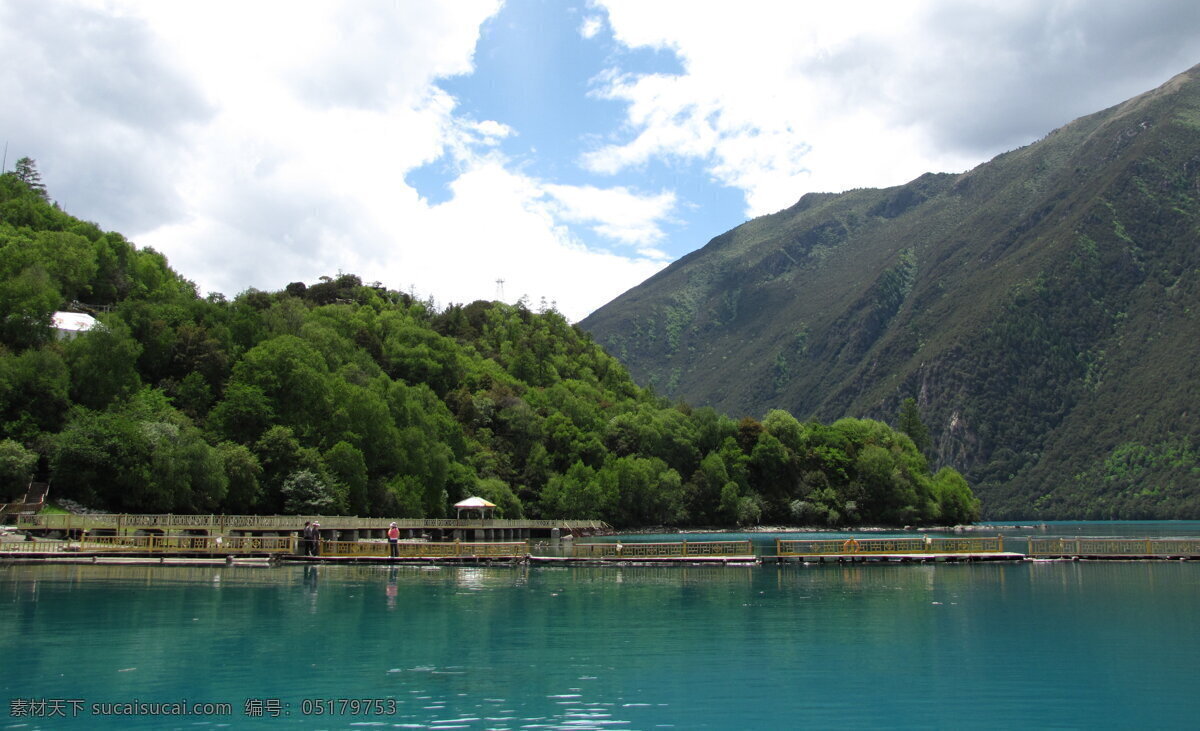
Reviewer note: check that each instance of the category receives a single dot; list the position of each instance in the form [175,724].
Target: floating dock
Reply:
[1114,549]
[676,552]
[897,558]
[903,550]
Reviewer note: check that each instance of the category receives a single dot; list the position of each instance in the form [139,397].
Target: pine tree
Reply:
[911,424]
[27,172]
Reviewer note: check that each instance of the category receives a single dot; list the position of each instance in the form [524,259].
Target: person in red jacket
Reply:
[394,540]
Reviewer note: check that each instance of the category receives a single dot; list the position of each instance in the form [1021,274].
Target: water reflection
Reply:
[392,590]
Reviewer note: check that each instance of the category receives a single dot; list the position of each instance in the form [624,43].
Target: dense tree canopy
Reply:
[344,397]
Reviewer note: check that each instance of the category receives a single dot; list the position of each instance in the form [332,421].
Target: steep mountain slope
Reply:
[1038,307]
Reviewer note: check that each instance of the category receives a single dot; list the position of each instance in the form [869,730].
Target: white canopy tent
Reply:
[475,504]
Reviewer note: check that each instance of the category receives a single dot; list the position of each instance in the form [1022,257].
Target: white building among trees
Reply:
[70,324]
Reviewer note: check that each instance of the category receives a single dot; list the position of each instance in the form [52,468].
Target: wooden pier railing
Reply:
[1115,547]
[287,545]
[226,523]
[220,545]
[681,549]
[885,546]
[35,547]
[346,549]
[224,545]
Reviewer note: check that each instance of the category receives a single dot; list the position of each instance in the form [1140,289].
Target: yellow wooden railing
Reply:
[188,544]
[225,545]
[886,546]
[422,550]
[35,547]
[681,549]
[224,523]
[1114,547]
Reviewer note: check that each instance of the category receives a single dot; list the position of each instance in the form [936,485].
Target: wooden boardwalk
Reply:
[723,552]
[104,548]
[923,548]
[98,547]
[452,552]
[333,527]
[1114,548]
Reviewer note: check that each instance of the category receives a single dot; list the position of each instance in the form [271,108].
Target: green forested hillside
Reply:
[340,397]
[1040,309]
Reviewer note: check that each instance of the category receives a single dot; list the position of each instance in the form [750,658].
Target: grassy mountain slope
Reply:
[1039,308]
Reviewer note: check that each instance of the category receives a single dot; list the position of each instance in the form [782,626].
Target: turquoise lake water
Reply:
[988,645]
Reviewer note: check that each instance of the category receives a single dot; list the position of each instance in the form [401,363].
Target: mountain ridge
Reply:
[1005,299]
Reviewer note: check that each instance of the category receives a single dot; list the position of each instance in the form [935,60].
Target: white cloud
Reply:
[301,183]
[491,131]
[781,98]
[500,225]
[616,213]
[92,98]
[268,142]
[592,24]
[749,103]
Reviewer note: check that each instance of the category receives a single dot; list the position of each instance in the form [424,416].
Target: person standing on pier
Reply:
[304,536]
[310,538]
[394,540]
